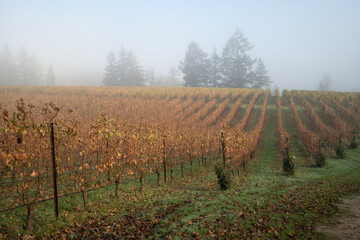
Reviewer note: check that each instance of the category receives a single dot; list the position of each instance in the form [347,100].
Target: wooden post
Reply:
[54,170]
[340,139]
[164,159]
[223,147]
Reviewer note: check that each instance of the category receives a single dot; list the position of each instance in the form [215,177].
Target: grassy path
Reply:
[269,163]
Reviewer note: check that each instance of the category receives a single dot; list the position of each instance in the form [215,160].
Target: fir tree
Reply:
[236,61]
[111,75]
[7,68]
[50,78]
[195,67]
[259,77]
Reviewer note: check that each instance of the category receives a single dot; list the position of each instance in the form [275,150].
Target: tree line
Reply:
[23,69]
[234,68]
[123,70]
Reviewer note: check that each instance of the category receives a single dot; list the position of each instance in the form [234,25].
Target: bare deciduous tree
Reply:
[325,83]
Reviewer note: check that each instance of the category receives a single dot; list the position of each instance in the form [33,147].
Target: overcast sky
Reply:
[299,41]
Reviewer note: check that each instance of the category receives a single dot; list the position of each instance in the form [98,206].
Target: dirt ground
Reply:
[348,227]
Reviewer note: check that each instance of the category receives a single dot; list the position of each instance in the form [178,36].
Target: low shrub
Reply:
[320,160]
[288,164]
[353,144]
[340,151]
[223,175]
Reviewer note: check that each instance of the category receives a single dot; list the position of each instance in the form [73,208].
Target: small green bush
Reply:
[320,160]
[223,175]
[340,151]
[353,144]
[288,165]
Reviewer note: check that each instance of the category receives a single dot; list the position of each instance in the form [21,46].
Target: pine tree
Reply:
[215,77]
[111,73]
[22,67]
[195,67]
[7,68]
[35,76]
[236,62]
[149,77]
[259,77]
[173,74]
[28,69]
[135,74]
[50,78]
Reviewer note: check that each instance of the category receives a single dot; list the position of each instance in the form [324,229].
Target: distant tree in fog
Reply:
[110,77]
[235,68]
[173,74]
[214,72]
[50,78]
[325,83]
[134,75]
[7,67]
[28,69]
[35,72]
[259,77]
[149,77]
[195,66]
[236,61]
[123,71]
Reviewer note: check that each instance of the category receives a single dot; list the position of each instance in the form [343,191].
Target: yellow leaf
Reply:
[34,173]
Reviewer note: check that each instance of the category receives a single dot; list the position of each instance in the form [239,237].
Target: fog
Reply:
[299,41]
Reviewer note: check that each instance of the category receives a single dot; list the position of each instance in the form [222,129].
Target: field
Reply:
[139,163]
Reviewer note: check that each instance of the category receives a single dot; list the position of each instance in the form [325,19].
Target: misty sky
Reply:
[299,41]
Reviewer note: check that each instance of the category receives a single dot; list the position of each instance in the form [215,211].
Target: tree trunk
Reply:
[164,160]
[191,166]
[171,173]
[109,178]
[182,170]
[141,183]
[158,177]
[29,218]
[223,151]
[117,188]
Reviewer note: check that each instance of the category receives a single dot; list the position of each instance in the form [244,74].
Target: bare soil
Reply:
[347,227]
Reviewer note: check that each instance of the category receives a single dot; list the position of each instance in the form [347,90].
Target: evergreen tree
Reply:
[135,74]
[259,77]
[214,76]
[7,68]
[111,74]
[195,67]
[50,78]
[28,69]
[173,74]
[122,68]
[236,62]
[124,71]
[35,76]
[128,69]
[149,77]
[22,67]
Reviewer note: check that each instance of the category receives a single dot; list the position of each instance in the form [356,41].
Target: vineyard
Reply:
[58,144]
